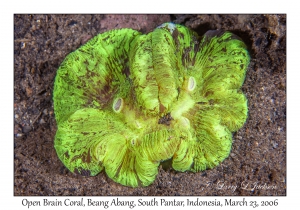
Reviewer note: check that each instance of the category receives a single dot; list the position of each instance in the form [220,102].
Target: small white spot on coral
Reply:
[191,84]
[138,124]
[171,26]
[185,122]
[118,105]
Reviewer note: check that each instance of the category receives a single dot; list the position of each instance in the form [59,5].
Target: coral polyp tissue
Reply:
[125,102]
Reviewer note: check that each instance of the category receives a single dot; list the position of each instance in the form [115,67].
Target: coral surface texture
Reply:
[126,102]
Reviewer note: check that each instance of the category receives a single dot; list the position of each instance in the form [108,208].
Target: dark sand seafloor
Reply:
[258,155]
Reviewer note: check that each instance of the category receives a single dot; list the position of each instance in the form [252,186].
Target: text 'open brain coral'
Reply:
[124,102]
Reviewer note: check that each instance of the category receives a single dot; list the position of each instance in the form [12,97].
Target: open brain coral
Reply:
[124,102]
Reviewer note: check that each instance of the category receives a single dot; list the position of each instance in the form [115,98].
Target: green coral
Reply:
[124,102]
